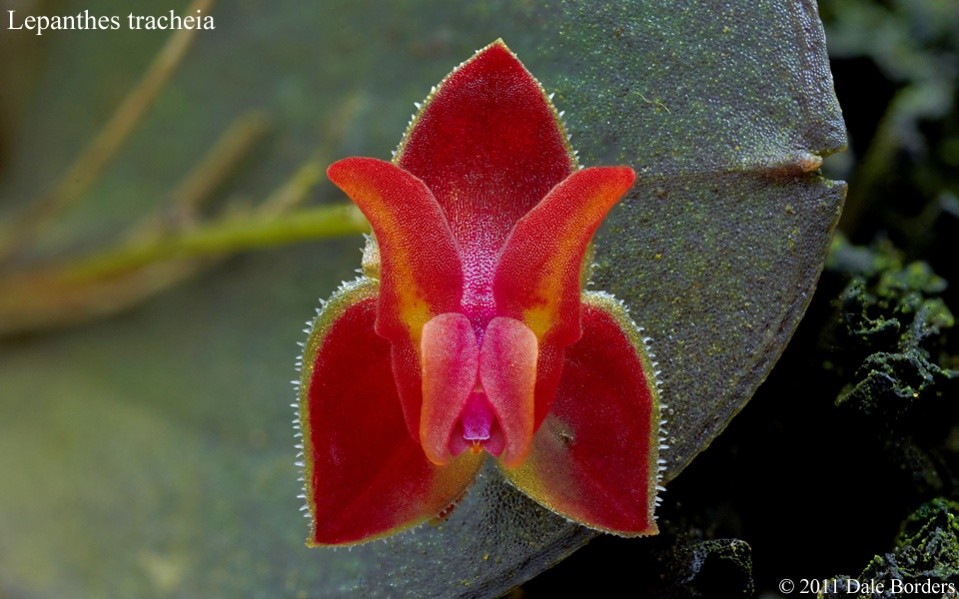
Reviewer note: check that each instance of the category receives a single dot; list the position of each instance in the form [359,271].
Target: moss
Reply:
[890,326]
[890,347]
[926,552]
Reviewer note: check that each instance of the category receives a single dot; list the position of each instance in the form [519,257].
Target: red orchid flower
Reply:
[469,332]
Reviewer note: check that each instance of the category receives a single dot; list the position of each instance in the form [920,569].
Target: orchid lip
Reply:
[469,387]
[477,419]
[480,428]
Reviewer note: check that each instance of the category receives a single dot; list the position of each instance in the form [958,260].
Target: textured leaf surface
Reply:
[152,454]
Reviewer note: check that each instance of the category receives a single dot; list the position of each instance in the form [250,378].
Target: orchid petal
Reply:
[537,279]
[420,271]
[450,363]
[595,457]
[365,476]
[507,368]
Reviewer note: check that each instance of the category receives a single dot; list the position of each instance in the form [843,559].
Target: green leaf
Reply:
[152,454]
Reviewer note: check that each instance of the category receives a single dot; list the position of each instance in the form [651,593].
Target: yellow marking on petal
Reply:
[545,310]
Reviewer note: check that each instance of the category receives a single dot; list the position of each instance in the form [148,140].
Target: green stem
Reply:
[77,291]
[224,237]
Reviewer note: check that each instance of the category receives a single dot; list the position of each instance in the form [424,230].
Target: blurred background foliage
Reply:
[846,463]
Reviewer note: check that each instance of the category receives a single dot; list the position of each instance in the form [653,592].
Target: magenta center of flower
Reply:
[478,428]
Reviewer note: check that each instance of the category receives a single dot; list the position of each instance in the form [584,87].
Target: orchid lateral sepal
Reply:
[378,499]
[558,432]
